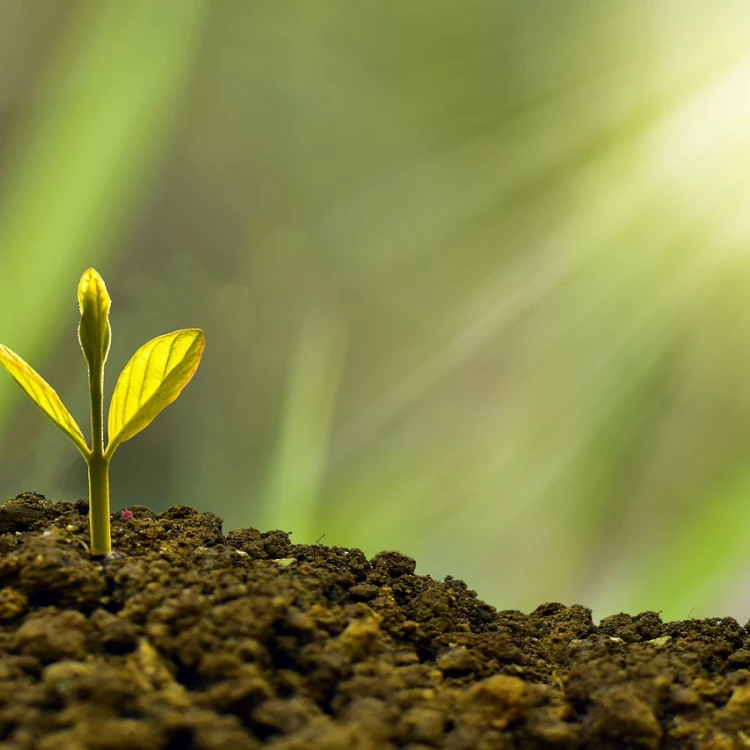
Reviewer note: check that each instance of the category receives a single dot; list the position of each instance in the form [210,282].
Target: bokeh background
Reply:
[474,276]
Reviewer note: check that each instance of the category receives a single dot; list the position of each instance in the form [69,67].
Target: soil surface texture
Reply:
[186,639]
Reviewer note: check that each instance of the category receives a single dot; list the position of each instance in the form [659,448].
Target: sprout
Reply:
[154,377]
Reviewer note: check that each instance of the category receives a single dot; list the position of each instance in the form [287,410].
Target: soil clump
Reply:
[187,639]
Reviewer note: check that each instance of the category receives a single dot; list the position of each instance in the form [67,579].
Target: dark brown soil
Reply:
[189,639]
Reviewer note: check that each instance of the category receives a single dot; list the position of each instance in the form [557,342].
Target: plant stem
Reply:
[99,505]
[98,465]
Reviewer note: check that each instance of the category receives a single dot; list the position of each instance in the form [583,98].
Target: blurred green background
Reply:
[474,276]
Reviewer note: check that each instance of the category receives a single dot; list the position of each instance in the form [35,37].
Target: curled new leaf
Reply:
[94,330]
[43,395]
[154,377]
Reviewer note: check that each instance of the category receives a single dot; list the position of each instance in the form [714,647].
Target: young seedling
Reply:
[154,377]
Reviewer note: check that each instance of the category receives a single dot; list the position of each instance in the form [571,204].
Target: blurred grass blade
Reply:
[297,472]
[153,379]
[100,118]
[689,570]
[43,395]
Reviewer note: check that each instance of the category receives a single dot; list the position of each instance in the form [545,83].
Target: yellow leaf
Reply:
[43,395]
[94,331]
[154,377]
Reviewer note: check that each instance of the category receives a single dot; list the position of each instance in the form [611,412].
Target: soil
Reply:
[186,639]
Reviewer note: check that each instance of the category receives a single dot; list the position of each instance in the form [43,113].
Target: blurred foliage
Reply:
[474,277]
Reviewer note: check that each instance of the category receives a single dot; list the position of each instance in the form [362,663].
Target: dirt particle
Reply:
[50,572]
[394,563]
[279,716]
[360,636]
[105,734]
[116,635]
[497,701]
[425,725]
[12,603]
[51,636]
[620,716]
[456,661]
[149,671]
[26,512]
[363,592]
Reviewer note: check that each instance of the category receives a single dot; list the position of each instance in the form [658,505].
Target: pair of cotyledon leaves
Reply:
[154,377]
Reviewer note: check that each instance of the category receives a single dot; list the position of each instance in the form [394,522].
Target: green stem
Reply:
[98,465]
[101,542]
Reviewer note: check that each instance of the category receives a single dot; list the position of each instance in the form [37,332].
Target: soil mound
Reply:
[187,639]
